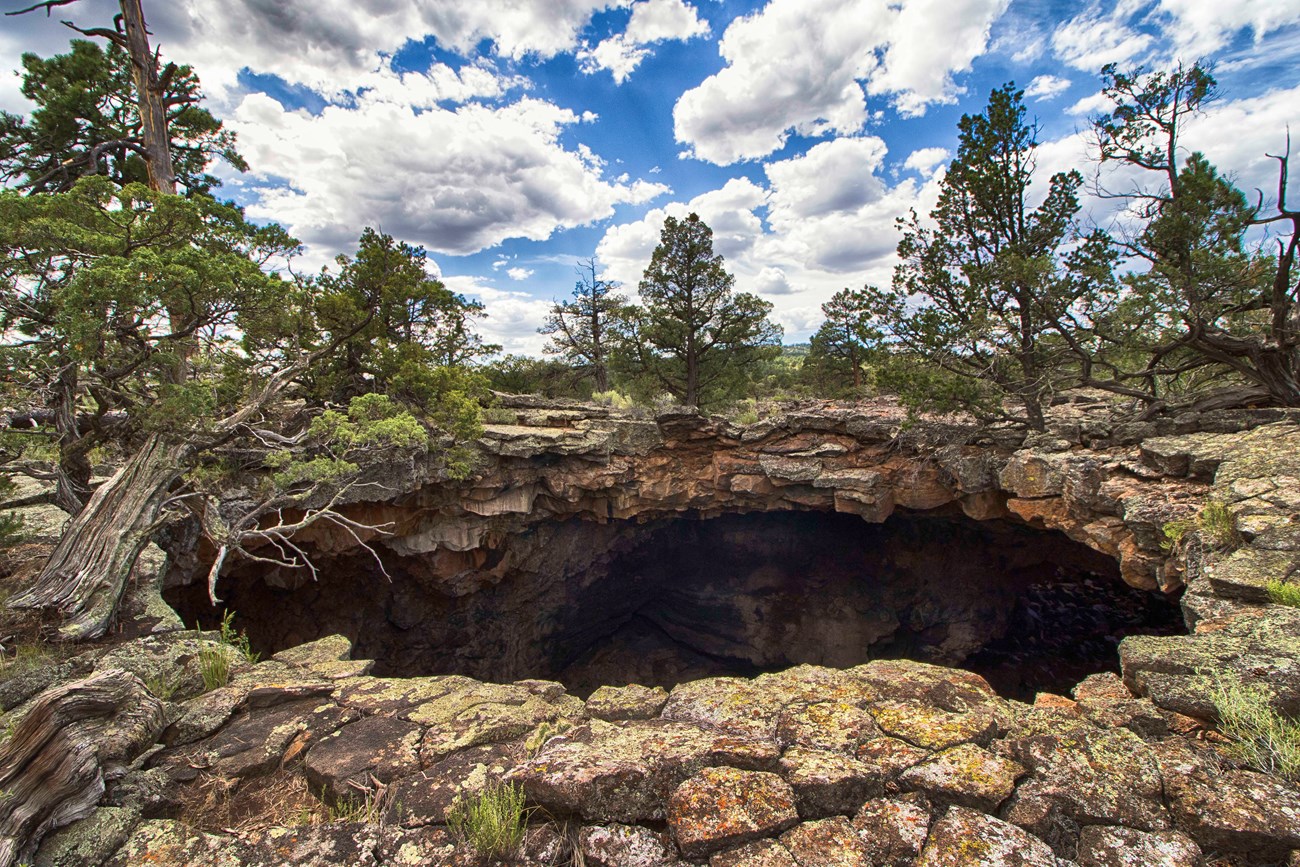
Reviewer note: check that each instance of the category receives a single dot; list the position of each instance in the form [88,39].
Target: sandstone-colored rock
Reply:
[626,702]
[343,763]
[722,807]
[826,843]
[625,773]
[892,831]
[625,846]
[1106,846]
[965,775]
[967,838]
[827,783]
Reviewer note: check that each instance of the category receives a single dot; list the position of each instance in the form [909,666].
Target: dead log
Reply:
[52,768]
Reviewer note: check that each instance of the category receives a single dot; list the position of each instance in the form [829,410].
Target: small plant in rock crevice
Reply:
[238,639]
[1215,524]
[492,822]
[1259,736]
[214,666]
[1283,593]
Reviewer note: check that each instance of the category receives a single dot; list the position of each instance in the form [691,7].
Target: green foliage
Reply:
[548,377]
[1205,311]
[614,399]
[989,291]
[162,687]
[1218,525]
[395,322]
[1283,593]
[1214,524]
[237,639]
[586,330]
[1261,738]
[500,415]
[86,121]
[695,338]
[492,822]
[214,667]
[843,344]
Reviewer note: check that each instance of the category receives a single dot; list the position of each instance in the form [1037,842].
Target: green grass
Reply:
[1260,737]
[214,665]
[492,822]
[237,640]
[161,686]
[1282,593]
[1215,524]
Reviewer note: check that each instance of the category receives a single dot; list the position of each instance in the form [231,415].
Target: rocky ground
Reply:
[308,759]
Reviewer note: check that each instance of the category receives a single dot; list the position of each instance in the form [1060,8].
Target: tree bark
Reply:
[87,572]
[52,766]
[149,97]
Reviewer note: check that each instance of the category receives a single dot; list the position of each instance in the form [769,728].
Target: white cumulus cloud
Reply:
[456,180]
[806,66]
[652,21]
[1047,87]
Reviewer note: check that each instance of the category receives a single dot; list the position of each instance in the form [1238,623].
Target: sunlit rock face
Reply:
[595,550]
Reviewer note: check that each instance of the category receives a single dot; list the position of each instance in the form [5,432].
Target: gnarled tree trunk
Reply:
[52,767]
[85,576]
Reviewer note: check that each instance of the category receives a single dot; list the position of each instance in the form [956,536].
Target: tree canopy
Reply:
[694,336]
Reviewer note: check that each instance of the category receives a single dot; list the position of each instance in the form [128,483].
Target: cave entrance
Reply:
[667,601]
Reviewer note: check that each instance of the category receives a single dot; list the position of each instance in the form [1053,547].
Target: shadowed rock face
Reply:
[676,599]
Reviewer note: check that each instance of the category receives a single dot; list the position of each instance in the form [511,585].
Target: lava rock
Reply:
[966,775]
[1105,846]
[626,702]
[966,838]
[721,807]
[381,747]
[625,846]
[893,830]
[826,843]
[826,783]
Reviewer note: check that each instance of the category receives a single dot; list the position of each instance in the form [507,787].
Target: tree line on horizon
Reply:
[149,326]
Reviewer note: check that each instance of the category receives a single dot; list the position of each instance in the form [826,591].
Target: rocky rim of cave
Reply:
[891,762]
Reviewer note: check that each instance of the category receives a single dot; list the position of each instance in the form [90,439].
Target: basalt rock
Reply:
[891,762]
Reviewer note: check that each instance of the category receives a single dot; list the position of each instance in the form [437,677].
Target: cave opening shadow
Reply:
[676,599]
[741,594]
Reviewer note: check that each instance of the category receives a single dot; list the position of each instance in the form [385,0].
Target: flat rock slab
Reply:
[1232,810]
[1091,775]
[721,807]
[626,702]
[893,831]
[932,727]
[625,846]
[423,798]
[826,843]
[827,783]
[1104,846]
[255,743]
[836,726]
[762,853]
[966,838]
[343,763]
[625,773]
[966,775]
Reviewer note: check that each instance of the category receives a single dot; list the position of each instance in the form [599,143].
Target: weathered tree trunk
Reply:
[87,572]
[149,97]
[52,767]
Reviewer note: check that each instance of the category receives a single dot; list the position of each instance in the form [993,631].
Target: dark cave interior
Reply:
[670,600]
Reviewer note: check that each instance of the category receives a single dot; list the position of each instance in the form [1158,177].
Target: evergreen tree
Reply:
[695,337]
[585,330]
[987,288]
[842,343]
[1209,304]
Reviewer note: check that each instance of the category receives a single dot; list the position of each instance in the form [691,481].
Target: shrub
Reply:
[612,399]
[1282,593]
[214,665]
[1260,737]
[500,415]
[1218,525]
[492,822]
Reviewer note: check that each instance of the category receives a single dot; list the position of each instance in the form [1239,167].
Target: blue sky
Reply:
[513,138]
